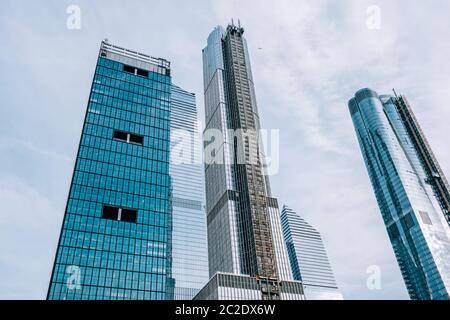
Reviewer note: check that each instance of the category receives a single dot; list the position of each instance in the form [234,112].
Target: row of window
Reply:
[130,155]
[128,82]
[133,173]
[103,128]
[122,109]
[160,203]
[85,179]
[115,262]
[133,121]
[131,95]
[155,103]
[159,108]
[60,291]
[152,128]
[110,189]
[108,230]
[124,122]
[153,199]
[119,246]
[130,112]
[145,125]
[152,103]
[154,274]
[100,150]
[117,68]
[148,227]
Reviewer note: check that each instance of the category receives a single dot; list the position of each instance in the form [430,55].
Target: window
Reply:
[393,231]
[111,213]
[409,222]
[425,217]
[136,139]
[119,214]
[129,215]
[128,137]
[135,71]
[128,69]
[120,135]
[143,73]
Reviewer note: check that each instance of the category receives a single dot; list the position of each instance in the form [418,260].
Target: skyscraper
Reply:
[189,240]
[245,242]
[308,257]
[115,241]
[410,188]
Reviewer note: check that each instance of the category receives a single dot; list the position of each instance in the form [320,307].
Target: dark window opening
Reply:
[143,73]
[136,139]
[120,135]
[393,231]
[409,222]
[128,137]
[129,215]
[133,70]
[119,214]
[128,69]
[111,213]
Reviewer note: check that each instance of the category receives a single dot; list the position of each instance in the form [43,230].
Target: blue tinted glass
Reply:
[105,254]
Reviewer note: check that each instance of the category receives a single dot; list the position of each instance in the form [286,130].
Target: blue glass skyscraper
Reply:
[308,257]
[410,188]
[115,241]
[190,249]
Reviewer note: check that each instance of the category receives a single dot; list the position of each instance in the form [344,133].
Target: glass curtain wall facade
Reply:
[189,242]
[308,257]
[115,241]
[226,286]
[243,219]
[411,209]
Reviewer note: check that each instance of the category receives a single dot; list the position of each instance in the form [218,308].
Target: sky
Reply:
[308,58]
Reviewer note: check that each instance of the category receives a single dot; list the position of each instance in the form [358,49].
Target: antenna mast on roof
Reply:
[395,93]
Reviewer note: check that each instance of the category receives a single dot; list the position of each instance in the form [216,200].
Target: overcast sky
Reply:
[308,59]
